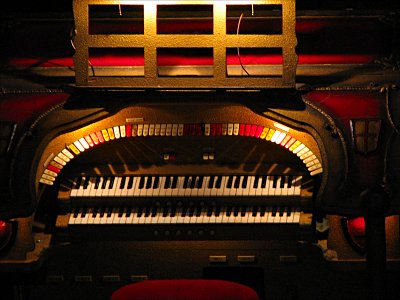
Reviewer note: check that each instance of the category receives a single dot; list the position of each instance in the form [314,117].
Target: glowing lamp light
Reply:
[6,230]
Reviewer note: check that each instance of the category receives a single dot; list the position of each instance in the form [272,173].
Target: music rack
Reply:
[218,41]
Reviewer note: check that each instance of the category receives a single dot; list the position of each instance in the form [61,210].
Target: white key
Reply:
[203,216]
[93,189]
[97,218]
[251,218]
[129,219]
[239,190]
[90,185]
[290,217]
[250,190]
[162,184]
[264,219]
[207,191]
[186,218]
[224,218]
[271,189]
[122,220]
[296,216]
[220,190]
[117,216]
[85,217]
[74,190]
[214,190]
[91,216]
[278,189]
[257,189]
[116,190]
[98,191]
[110,217]
[80,191]
[284,216]
[131,190]
[270,216]
[78,219]
[154,219]
[232,190]
[297,185]
[180,219]
[231,218]
[169,190]
[213,217]
[188,190]
[257,218]
[277,218]
[106,190]
[265,189]
[72,217]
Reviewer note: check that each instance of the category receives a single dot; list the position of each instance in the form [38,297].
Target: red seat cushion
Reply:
[185,290]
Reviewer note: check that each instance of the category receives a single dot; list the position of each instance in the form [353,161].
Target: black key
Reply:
[236,211]
[289,211]
[140,212]
[130,182]
[96,184]
[262,211]
[209,211]
[191,211]
[229,183]
[167,183]
[193,182]
[156,182]
[103,185]
[110,186]
[185,182]
[243,211]
[218,182]
[120,212]
[141,182]
[76,213]
[255,211]
[128,212]
[244,182]
[217,211]
[228,211]
[108,212]
[264,182]
[173,211]
[174,182]
[200,182]
[147,212]
[237,182]
[281,211]
[274,211]
[290,179]
[102,211]
[78,183]
[94,213]
[149,182]
[198,211]
[256,179]
[275,181]
[282,185]
[122,184]
[86,183]
[211,182]
[154,211]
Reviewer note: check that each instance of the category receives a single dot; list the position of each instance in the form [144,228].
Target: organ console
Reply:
[133,168]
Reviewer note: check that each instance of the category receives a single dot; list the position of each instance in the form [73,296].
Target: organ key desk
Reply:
[202,139]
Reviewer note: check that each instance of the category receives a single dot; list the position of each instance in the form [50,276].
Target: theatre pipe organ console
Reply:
[242,177]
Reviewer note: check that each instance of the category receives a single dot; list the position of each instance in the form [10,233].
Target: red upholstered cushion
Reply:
[185,290]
